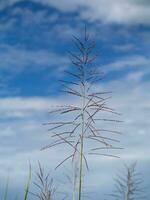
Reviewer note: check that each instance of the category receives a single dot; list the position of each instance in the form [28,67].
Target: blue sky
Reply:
[35,37]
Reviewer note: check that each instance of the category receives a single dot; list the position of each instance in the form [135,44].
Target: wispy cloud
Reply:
[106,11]
[16,59]
[136,62]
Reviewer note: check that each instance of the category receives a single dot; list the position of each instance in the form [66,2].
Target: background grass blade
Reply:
[28,185]
[6,189]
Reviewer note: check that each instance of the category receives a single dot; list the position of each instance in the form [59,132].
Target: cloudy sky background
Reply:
[34,39]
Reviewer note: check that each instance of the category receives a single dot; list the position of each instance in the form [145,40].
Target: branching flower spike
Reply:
[84,132]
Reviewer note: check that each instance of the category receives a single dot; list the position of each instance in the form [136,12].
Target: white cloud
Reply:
[108,11]
[34,17]
[136,76]
[16,59]
[125,48]
[129,62]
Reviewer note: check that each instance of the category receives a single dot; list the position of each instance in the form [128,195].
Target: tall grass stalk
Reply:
[83,124]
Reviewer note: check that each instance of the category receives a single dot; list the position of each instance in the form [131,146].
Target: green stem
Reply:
[81,169]
[82,140]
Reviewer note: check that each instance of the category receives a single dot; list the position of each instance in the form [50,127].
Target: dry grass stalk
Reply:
[82,127]
[44,184]
[129,186]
